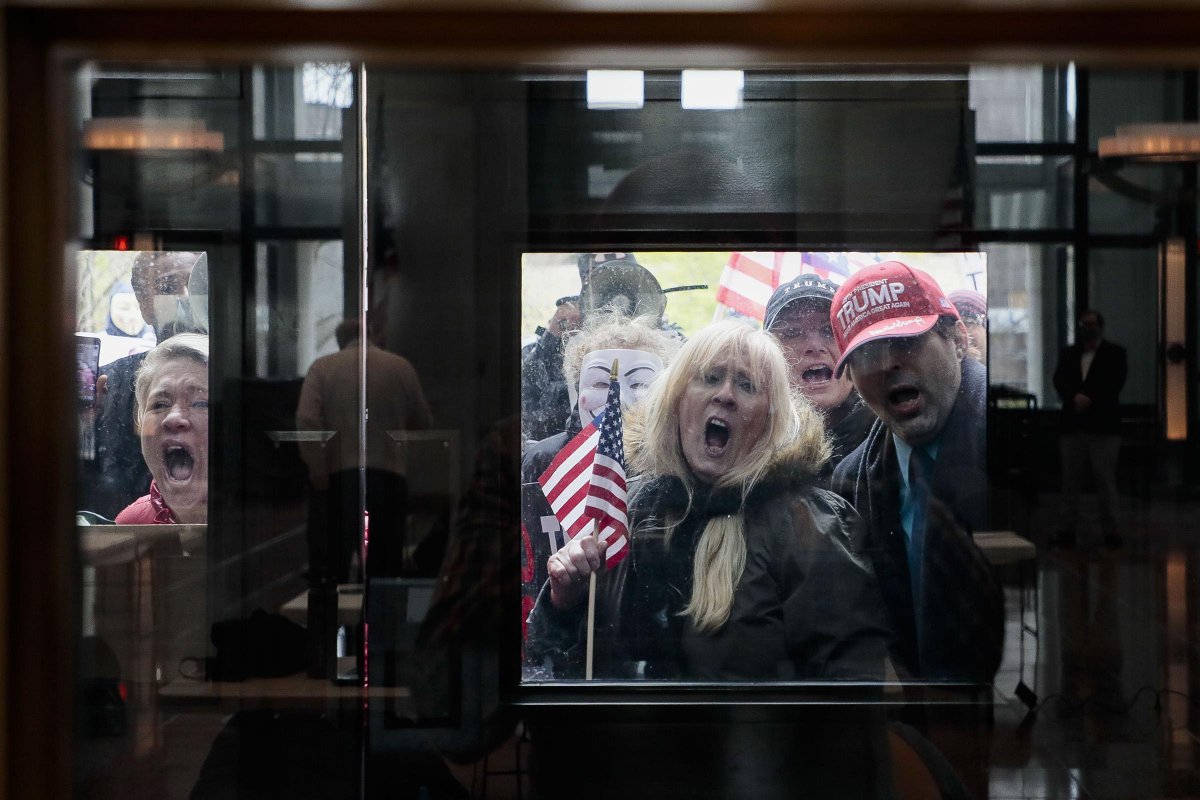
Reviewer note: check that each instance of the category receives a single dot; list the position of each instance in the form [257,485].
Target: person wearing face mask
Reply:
[124,316]
[642,351]
[159,281]
[740,567]
[798,316]
[610,283]
[1089,378]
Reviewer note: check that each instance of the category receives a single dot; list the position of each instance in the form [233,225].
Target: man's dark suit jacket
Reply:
[955,632]
[1104,382]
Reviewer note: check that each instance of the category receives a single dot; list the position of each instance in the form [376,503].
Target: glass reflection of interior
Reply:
[354,585]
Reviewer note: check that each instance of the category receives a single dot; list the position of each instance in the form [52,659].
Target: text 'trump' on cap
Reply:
[803,287]
[885,301]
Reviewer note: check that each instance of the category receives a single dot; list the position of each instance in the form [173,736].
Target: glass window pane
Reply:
[1023,192]
[1022,103]
[299,298]
[300,189]
[1127,97]
[799,144]
[302,103]
[362,589]
[1112,209]
[196,332]
[1023,326]
[1128,279]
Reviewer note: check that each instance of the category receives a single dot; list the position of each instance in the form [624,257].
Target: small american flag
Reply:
[585,483]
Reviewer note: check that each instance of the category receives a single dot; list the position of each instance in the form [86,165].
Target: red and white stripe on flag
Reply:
[747,282]
[607,494]
[568,486]
[749,278]
[568,478]
[606,497]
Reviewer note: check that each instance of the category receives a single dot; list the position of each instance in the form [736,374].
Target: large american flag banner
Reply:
[749,278]
[585,483]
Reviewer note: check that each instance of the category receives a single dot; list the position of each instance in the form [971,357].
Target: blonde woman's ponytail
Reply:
[716,570]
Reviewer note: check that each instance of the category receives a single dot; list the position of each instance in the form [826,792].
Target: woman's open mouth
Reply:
[817,375]
[716,436]
[179,461]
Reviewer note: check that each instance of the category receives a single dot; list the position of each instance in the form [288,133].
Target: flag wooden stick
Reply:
[591,617]
[591,624]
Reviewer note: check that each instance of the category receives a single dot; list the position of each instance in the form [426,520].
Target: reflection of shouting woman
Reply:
[740,568]
[171,392]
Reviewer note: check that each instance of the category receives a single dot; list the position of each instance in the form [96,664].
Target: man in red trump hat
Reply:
[919,478]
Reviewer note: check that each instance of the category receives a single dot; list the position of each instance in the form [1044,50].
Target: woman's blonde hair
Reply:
[612,331]
[653,440]
[193,346]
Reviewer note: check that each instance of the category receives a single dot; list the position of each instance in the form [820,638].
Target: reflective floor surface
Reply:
[1113,663]
[1106,651]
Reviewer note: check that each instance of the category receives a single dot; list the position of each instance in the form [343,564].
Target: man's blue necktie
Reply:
[920,471]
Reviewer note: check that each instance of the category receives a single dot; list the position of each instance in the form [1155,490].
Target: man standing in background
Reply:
[1089,378]
[330,401]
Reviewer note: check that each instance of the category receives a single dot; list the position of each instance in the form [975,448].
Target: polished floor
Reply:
[1105,639]
[1113,663]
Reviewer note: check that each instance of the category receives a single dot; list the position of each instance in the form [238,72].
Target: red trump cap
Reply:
[885,301]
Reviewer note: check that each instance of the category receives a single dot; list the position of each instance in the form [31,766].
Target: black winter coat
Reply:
[545,402]
[847,434]
[805,607]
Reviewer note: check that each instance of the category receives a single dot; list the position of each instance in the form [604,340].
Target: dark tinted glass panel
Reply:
[337,342]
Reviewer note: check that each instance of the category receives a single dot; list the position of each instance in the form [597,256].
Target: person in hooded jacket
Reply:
[739,566]
[124,317]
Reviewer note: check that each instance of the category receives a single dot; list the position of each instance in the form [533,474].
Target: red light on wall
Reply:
[120,243]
